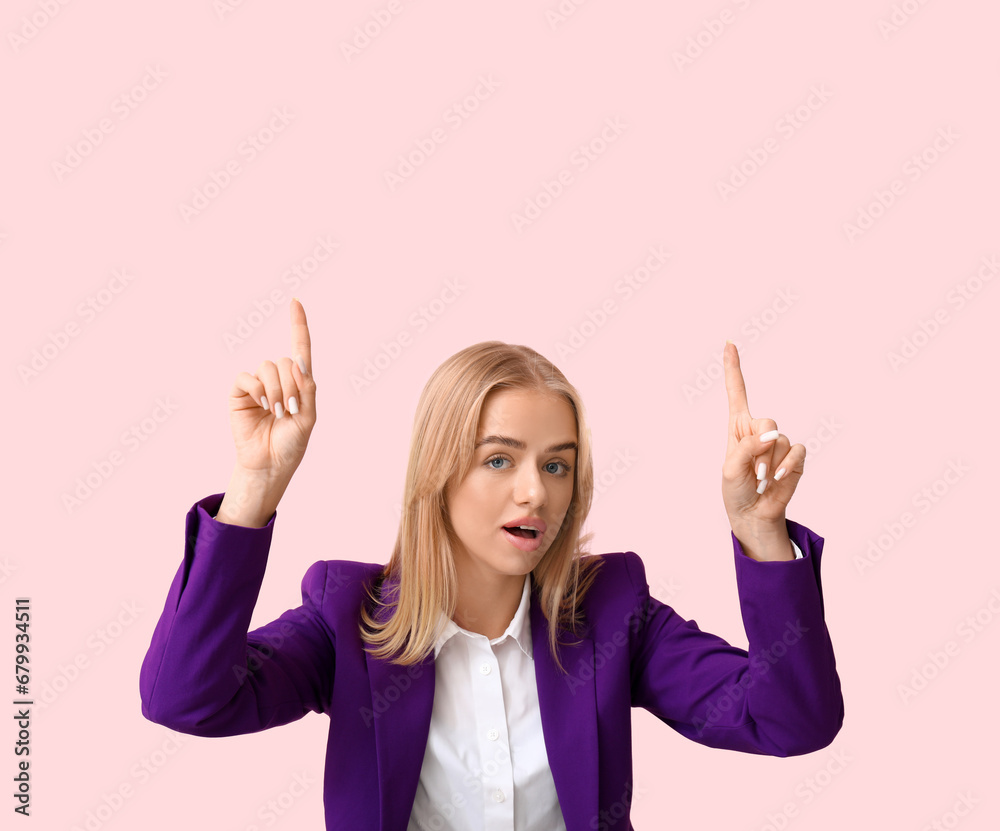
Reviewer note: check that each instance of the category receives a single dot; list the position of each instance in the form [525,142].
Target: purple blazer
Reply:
[204,674]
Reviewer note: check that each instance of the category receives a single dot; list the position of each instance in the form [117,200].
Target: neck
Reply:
[487,603]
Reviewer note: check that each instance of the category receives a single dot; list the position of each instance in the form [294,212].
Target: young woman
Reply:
[484,677]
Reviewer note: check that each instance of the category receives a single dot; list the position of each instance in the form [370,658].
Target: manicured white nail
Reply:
[302,364]
[293,405]
[762,485]
[761,470]
[779,474]
[263,401]
[770,435]
[278,411]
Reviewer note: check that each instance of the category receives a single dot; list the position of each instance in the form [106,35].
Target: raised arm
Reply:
[782,697]
[203,673]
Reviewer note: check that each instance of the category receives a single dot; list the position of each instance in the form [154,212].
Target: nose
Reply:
[529,489]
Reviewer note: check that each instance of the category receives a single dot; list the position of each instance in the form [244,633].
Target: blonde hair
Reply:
[442,450]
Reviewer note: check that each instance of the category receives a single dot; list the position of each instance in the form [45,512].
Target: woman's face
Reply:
[523,469]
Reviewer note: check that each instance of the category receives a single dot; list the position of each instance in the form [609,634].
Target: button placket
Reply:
[495,763]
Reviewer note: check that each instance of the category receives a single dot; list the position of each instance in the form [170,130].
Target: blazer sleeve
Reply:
[203,673]
[782,697]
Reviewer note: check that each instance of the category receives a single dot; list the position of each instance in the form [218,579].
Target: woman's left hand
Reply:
[753,442]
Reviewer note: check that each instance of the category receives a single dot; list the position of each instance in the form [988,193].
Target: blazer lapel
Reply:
[402,701]
[568,705]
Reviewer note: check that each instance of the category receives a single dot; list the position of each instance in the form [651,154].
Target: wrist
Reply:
[250,499]
[760,527]
[764,541]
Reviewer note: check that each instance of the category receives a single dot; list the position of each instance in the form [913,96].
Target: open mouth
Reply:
[519,531]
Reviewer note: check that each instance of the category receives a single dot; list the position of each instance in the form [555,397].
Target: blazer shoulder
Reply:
[620,567]
[619,582]
[331,584]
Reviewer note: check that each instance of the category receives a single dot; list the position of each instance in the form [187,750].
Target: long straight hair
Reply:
[402,625]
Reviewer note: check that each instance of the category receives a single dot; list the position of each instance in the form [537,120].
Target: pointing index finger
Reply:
[735,387]
[301,344]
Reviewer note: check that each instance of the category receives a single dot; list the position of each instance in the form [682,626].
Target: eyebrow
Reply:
[520,445]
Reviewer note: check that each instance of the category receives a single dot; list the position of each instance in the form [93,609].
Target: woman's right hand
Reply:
[273,412]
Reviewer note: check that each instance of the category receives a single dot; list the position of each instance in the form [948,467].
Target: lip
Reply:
[524,543]
[533,521]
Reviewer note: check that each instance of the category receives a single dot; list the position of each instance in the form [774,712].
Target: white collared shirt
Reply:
[485,767]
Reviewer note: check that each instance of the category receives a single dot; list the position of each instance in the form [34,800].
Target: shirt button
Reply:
[485,669]
[493,735]
[498,795]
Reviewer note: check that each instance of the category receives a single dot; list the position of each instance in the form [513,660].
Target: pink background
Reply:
[837,103]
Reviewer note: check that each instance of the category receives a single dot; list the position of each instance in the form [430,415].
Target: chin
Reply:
[519,563]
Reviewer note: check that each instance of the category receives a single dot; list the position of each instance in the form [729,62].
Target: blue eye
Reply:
[501,458]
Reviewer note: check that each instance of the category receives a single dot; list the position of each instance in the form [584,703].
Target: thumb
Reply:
[739,463]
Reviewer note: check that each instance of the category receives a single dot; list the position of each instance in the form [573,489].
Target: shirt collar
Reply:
[519,628]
